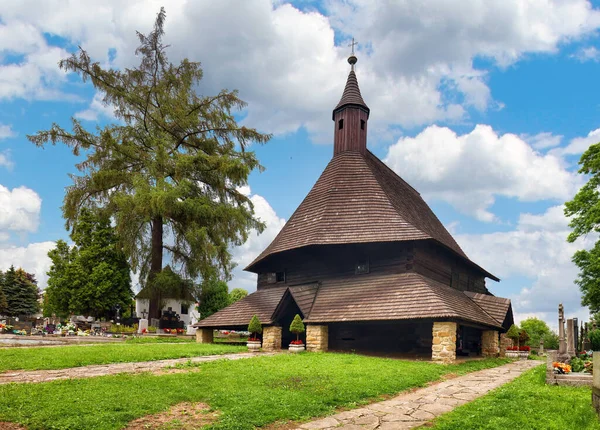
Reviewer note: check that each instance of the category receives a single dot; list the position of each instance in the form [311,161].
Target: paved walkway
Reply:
[157,366]
[410,410]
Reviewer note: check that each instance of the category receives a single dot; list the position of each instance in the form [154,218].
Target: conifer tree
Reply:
[255,327]
[297,326]
[173,164]
[21,291]
[93,276]
[3,302]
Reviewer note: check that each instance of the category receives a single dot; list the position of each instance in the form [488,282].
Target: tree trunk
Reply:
[155,265]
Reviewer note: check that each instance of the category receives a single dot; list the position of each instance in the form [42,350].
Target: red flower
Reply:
[296,342]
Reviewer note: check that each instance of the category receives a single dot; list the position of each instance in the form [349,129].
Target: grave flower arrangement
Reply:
[562,368]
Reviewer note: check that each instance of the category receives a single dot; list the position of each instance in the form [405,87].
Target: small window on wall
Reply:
[362,267]
[184,309]
[340,124]
[362,124]
[275,277]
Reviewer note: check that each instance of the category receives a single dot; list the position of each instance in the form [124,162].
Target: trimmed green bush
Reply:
[297,326]
[523,337]
[513,333]
[255,327]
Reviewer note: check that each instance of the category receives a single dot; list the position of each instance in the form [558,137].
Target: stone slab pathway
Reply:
[414,409]
[157,366]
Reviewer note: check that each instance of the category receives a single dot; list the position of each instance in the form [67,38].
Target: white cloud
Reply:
[589,53]
[6,131]
[469,171]
[415,57]
[538,251]
[543,140]
[97,109]
[5,160]
[19,209]
[33,258]
[579,145]
[256,243]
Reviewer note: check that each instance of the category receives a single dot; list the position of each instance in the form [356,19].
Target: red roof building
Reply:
[367,265]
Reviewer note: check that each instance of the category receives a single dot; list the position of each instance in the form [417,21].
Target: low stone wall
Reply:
[489,343]
[271,339]
[317,338]
[444,342]
[571,379]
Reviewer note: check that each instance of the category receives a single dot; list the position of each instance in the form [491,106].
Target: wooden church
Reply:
[368,265]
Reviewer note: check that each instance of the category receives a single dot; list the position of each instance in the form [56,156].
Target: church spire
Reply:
[351,115]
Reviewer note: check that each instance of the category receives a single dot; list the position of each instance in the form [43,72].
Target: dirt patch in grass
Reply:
[182,416]
[11,426]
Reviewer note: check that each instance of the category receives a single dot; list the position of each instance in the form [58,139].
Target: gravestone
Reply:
[154,322]
[143,325]
[576,334]
[541,351]
[562,342]
[570,338]
[596,384]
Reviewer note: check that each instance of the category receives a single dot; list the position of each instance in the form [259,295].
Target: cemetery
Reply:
[368,302]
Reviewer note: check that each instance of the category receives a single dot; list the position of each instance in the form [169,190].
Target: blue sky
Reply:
[485,108]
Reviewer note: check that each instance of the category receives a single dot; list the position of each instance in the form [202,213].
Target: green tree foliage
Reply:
[536,329]
[584,211]
[237,294]
[173,164]
[513,333]
[93,276]
[297,326]
[550,340]
[214,296]
[594,336]
[3,301]
[255,327]
[21,292]
[523,337]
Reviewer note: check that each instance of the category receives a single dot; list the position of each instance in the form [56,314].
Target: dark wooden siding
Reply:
[351,137]
[437,263]
[318,263]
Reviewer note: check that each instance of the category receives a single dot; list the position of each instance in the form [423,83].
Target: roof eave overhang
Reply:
[347,105]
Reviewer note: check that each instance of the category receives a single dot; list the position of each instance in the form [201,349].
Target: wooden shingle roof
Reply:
[358,199]
[261,303]
[393,297]
[385,297]
[496,307]
[351,95]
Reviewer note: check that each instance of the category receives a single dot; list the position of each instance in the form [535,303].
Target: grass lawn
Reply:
[247,393]
[526,403]
[75,355]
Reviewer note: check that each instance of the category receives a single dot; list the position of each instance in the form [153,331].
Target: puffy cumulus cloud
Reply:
[96,109]
[415,57]
[578,145]
[589,53]
[19,209]
[5,160]
[543,140]
[6,131]
[469,170]
[256,243]
[536,257]
[33,258]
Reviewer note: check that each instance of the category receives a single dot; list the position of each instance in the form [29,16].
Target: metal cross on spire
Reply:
[352,58]
[352,45]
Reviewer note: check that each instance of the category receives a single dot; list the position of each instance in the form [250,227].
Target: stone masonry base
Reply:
[317,338]
[204,335]
[444,342]
[505,342]
[271,340]
[489,343]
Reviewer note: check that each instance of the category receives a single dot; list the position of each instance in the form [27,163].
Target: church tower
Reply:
[351,116]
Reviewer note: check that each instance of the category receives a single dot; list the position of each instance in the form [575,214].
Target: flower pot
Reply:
[512,354]
[296,348]
[254,345]
[523,355]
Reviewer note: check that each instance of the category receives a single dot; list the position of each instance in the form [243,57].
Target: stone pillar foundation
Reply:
[489,343]
[317,338]
[505,342]
[204,335]
[444,342]
[271,339]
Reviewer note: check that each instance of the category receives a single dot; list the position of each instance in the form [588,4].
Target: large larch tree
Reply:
[169,172]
